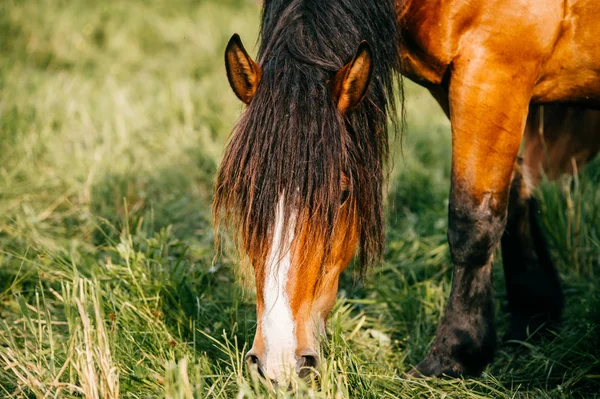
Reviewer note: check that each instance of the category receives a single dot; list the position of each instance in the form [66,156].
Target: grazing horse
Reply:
[300,184]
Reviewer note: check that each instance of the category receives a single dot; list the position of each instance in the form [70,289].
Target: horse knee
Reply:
[474,230]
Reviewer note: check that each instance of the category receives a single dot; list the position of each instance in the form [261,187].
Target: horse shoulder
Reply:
[505,32]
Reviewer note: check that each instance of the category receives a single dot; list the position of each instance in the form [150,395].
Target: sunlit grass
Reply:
[113,117]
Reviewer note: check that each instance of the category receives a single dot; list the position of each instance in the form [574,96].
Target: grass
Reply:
[113,117]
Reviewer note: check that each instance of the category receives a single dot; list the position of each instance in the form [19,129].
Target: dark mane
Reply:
[292,139]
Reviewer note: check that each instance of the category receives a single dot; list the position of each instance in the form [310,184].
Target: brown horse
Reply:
[301,179]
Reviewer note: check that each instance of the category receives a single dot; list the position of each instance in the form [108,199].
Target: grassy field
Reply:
[113,118]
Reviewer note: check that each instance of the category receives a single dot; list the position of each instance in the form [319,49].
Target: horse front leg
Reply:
[488,109]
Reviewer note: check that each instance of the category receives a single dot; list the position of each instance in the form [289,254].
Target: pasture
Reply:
[113,119]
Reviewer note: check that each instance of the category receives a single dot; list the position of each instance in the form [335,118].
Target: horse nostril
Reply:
[311,361]
[252,360]
[307,362]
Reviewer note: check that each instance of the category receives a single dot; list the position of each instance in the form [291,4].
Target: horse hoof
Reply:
[438,366]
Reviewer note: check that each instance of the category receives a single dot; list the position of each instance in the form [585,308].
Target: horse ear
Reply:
[350,83]
[242,72]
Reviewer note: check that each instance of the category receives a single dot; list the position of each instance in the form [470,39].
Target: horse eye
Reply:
[345,186]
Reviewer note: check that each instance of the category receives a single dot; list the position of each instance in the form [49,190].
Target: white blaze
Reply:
[277,321]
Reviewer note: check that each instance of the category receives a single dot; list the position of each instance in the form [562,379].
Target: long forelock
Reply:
[292,141]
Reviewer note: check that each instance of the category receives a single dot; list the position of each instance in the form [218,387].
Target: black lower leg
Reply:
[466,338]
[532,283]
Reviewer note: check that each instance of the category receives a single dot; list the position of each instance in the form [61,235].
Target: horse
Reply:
[300,183]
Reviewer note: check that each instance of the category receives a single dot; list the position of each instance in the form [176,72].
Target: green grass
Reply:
[113,118]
